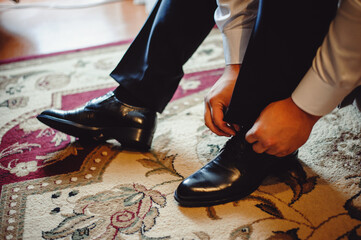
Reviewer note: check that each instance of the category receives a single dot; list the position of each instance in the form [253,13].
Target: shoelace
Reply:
[236,150]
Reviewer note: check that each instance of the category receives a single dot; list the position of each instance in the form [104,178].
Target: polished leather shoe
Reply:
[236,172]
[105,118]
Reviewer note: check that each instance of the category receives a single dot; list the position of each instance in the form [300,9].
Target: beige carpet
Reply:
[54,187]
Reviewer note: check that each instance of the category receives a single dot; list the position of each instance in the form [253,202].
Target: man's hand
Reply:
[217,102]
[281,128]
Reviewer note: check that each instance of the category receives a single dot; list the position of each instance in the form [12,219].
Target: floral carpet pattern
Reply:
[54,186]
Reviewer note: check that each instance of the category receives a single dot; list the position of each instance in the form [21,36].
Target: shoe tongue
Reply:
[238,148]
[236,145]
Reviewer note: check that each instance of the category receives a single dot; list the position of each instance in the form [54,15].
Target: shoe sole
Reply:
[135,138]
[196,203]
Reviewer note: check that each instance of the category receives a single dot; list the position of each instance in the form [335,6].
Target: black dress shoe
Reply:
[106,118]
[235,173]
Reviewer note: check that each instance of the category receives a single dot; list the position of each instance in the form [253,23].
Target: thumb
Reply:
[251,136]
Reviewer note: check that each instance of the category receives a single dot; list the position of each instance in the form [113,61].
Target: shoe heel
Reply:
[139,139]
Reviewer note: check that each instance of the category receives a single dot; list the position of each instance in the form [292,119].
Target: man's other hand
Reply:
[217,101]
[281,128]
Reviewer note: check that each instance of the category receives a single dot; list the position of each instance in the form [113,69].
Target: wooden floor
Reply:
[39,30]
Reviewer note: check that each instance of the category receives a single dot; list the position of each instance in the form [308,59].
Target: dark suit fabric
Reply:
[282,46]
[153,65]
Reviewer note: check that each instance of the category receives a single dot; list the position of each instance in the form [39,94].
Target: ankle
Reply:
[125,96]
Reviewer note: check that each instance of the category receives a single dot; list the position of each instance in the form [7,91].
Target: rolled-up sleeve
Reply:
[235,19]
[336,68]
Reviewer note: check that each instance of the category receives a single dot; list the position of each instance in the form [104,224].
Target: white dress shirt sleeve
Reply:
[336,68]
[235,19]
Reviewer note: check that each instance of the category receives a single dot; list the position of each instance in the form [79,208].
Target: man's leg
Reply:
[153,65]
[285,40]
[148,75]
[283,43]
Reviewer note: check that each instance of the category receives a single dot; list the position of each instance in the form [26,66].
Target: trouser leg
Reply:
[283,44]
[153,65]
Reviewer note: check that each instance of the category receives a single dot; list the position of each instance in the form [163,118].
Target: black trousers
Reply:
[153,65]
[282,46]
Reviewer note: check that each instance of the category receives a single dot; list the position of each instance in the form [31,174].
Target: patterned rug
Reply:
[56,187]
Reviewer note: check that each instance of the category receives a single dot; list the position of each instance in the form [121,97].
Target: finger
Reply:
[209,122]
[273,152]
[251,136]
[278,151]
[236,127]
[284,153]
[281,154]
[259,148]
[217,117]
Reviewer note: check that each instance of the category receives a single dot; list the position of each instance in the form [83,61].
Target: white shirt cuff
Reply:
[235,43]
[317,97]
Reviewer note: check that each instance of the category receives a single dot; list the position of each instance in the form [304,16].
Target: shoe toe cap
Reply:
[197,188]
[51,113]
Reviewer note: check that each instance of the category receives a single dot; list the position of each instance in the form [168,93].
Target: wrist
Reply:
[312,118]
[232,68]
[231,71]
